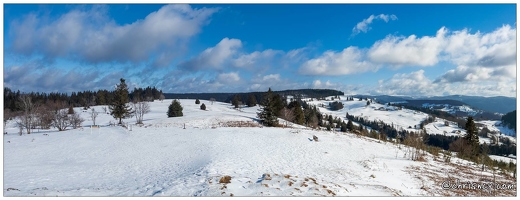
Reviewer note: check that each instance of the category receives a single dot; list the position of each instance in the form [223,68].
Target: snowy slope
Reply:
[162,158]
[399,118]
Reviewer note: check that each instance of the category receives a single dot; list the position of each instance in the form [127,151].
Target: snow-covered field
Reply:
[162,158]
[399,118]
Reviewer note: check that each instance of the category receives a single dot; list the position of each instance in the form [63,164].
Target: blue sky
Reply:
[394,49]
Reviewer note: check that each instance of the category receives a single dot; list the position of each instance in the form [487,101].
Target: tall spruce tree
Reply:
[299,117]
[471,136]
[119,107]
[236,100]
[251,101]
[350,125]
[267,113]
[278,104]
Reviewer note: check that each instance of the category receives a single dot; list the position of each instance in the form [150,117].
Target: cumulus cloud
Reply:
[228,53]
[400,51]
[91,36]
[414,83]
[363,26]
[494,49]
[481,57]
[417,84]
[317,84]
[349,61]
[227,78]
[256,58]
[33,77]
[214,57]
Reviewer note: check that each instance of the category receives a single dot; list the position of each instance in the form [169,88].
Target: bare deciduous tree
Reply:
[44,116]
[75,120]
[7,116]
[162,97]
[140,109]
[212,100]
[93,115]
[287,115]
[61,120]
[26,120]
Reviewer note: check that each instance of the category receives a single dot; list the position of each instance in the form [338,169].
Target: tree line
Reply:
[42,111]
[78,99]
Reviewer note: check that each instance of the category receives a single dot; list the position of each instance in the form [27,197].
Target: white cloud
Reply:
[91,36]
[253,59]
[414,83]
[363,26]
[400,51]
[317,84]
[34,77]
[481,57]
[214,57]
[228,77]
[494,49]
[271,77]
[349,61]
[417,84]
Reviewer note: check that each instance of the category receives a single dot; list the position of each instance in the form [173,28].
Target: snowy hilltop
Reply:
[225,151]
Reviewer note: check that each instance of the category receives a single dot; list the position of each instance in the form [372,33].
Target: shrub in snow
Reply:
[175,109]
[197,101]
[203,107]
[225,179]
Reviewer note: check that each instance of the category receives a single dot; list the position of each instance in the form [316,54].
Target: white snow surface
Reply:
[399,118]
[162,158]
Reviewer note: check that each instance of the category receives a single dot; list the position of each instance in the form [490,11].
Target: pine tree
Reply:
[175,109]
[299,117]
[278,104]
[343,127]
[118,107]
[197,101]
[203,107]
[471,136]
[350,125]
[251,101]
[267,113]
[236,101]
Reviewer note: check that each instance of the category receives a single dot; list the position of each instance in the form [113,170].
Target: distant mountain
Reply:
[498,104]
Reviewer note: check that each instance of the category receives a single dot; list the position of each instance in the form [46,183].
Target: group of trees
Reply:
[336,105]
[509,120]
[43,111]
[35,115]
[436,113]
[274,106]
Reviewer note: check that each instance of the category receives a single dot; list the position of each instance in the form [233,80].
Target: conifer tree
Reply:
[236,101]
[251,101]
[175,109]
[119,108]
[203,107]
[278,104]
[471,136]
[267,113]
[299,117]
[350,125]
[197,101]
